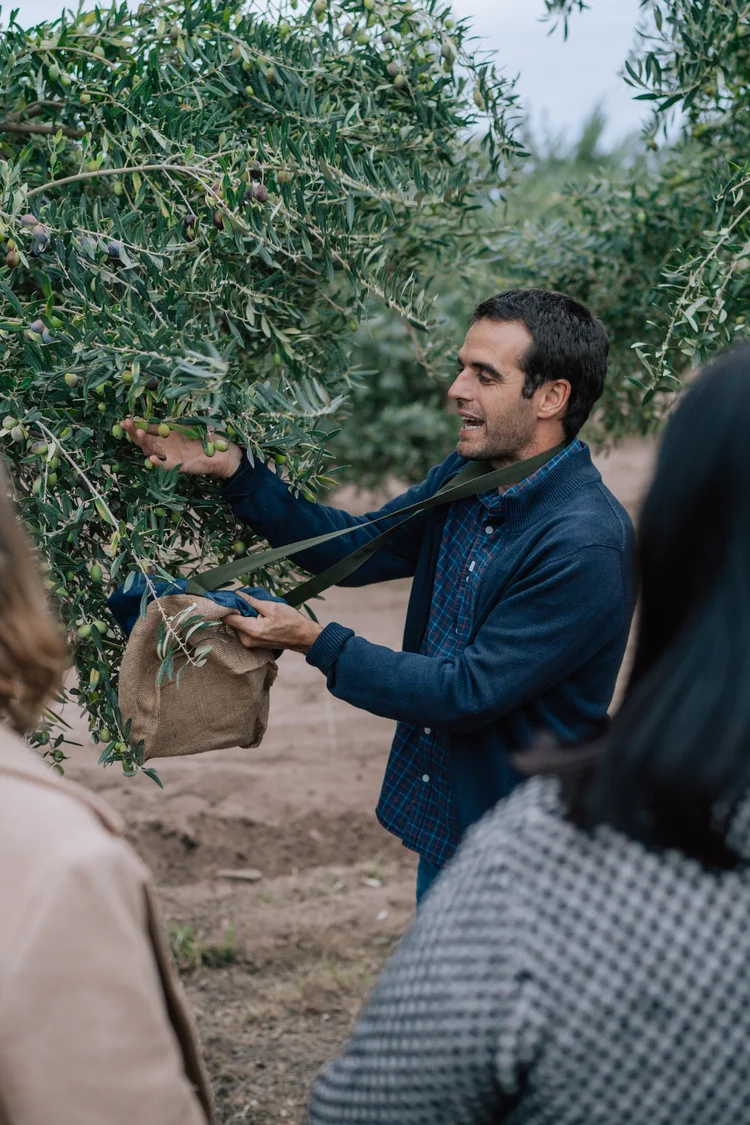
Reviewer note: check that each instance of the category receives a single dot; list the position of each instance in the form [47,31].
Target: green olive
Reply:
[117,431]
[126,376]
[71,379]
[164,430]
[239,547]
[220,445]
[99,625]
[83,632]
[96,573]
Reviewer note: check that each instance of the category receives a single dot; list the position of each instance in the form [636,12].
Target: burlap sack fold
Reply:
[224,703]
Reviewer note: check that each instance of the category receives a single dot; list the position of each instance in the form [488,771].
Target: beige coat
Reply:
[93,1024]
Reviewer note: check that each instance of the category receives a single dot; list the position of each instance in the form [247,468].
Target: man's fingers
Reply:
[261,607]
[245,629]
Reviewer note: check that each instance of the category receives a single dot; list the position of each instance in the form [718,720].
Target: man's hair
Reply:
[568,342]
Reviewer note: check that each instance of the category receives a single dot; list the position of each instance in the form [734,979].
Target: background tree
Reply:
[653,235]
[198,203]
[666,260]
[399,421]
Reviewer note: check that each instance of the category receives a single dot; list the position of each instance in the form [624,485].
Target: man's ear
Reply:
[553,399]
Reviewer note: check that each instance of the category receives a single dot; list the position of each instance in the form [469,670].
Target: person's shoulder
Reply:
[530,820]
[590,515]
[49,823]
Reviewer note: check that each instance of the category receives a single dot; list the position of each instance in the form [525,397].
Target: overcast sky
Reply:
[559,82]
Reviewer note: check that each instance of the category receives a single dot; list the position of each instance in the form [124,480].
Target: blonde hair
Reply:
[32,651]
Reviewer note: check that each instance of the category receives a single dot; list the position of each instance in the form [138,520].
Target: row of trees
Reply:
[654,235]
[236,222]
[198,205]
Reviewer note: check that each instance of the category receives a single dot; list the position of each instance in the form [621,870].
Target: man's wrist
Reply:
[230,462]
[311,632]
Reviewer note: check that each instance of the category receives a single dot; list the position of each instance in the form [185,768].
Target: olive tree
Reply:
[199,203]
[666,255]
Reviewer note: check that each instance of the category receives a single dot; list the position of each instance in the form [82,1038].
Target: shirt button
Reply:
[428,730]
[425,777]
[489,529]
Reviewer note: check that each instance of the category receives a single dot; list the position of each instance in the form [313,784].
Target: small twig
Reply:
[38,127]
[418,349]
[34,109]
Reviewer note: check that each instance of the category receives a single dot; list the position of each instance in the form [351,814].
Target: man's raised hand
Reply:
[185,453]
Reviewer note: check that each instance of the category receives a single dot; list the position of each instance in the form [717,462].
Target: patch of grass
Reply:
[190,953]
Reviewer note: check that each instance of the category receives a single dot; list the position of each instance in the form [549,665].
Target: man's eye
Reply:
[485,380]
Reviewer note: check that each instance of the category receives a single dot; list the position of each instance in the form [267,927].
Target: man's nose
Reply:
[460,388]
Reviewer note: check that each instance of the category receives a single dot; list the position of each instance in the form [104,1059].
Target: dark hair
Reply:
[568,342]
[676,759]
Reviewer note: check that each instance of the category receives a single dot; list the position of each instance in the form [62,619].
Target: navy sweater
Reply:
[551,623]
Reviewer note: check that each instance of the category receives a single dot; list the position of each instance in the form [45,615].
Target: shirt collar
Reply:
[494,501]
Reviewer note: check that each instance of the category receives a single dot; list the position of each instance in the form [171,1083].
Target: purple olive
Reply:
[114,248]
[190,220]
[256,173]
[29,220]
[38,327]
[152,384]
[218,220]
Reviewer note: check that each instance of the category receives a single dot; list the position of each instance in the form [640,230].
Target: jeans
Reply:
[427,873]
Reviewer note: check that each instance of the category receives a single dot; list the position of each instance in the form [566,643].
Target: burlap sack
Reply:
[224,703]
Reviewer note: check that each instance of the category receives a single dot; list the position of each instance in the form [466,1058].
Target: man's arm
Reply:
[262,500]
[552,623]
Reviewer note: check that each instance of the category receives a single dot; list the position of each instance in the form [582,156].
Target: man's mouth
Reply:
[470,424]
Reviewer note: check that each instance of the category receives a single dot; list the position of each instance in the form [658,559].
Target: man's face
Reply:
[498,423]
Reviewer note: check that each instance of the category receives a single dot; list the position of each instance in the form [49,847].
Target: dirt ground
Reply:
[277,959]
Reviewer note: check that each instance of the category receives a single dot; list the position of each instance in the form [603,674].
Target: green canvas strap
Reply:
[473,479]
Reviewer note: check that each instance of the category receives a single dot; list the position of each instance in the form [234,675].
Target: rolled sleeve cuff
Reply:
[246,480]
[328,646]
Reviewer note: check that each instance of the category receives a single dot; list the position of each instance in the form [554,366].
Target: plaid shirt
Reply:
[415,802]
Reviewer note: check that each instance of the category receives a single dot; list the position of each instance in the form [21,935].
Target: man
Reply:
[521,600]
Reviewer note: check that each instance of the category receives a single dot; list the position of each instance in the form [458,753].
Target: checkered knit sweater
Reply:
[557,978]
